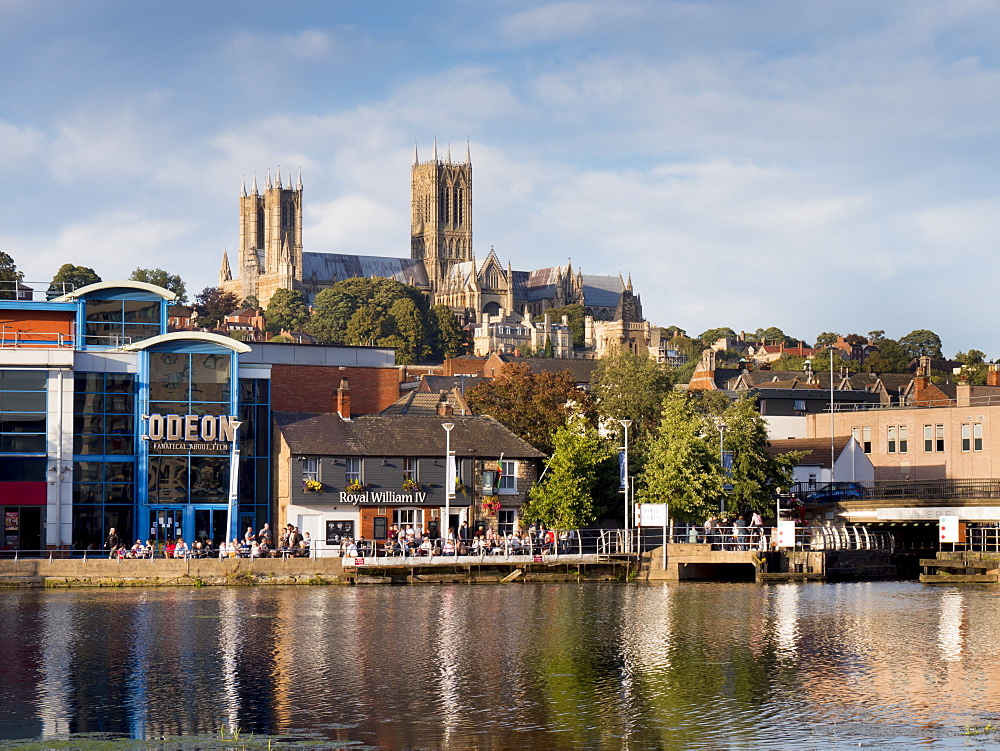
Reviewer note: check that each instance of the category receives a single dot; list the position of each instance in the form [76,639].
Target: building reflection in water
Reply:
[531,666]
[950,625]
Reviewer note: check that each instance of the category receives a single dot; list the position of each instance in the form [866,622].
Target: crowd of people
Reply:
[290,543]
[731,534]
[412,540]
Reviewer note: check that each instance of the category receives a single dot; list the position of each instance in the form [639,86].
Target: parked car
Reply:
[836,491]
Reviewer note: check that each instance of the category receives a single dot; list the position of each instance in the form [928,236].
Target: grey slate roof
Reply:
[602,291]
[818,449]
[396,435]
[581,370]
[424,404]
[338,266]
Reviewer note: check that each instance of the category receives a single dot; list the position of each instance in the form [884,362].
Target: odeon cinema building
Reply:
[107,419]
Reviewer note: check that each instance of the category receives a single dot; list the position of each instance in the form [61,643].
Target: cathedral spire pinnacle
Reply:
[629,285]
[267,181]
[253,190]
[277,178]
[225,273]
[434,153]
[416,158]
[298,185]
[243,188]
[448,158]
[468,153]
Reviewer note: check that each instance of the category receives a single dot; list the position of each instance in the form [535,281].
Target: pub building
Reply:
[108,419]
[358,477]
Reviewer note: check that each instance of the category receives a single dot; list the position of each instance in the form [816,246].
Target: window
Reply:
[864,437]
[508,482]
[310,469]
[413,517]
[939,438]
[22,411]
[890,442]
[928,438]
[800,405]
[506,521]
[353,472]
[972,436]
[409,469]
[902,439]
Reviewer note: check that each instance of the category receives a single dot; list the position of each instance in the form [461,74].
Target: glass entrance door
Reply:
[210,524]
[165,524]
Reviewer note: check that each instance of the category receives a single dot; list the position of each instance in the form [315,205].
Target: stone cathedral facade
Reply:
[442,263]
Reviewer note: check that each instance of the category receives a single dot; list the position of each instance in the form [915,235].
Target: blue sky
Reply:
[814,166]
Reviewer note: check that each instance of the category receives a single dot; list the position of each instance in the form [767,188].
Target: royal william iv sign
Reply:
[183,433]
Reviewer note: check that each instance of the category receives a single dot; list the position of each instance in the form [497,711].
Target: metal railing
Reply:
[599,543]
[33,291]
[983,400]
[887,490]
[47,339]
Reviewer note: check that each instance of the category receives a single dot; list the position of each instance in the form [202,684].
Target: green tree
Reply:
[213,304]
[628,386]
[564,499]
[161,278]
[532,405]
[921,343]
[974,367]
[891,358]
[368,326]
[407,323]
[683,467]
[69,278]
[10,277]
[448,333]
[548,351]
[251,302]
[756,475]
[286,310]
[713,335]
[972,357]
[826,338]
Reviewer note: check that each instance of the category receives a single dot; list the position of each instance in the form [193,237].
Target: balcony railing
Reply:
[33,291]
[43,339]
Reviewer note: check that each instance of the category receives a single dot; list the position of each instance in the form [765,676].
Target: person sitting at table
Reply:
[351,550]
[448,547]
[223,550]
[137,551]
[181,549]
[426,546]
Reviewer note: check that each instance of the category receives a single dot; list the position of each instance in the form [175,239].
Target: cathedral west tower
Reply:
[441,216]
[270,249]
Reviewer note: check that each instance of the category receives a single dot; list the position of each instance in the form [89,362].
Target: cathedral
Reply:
[441,263]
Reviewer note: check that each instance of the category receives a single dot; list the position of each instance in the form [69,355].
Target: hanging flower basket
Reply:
[411,486]
[354,487]
[491,506]
[460,488]
[312,486]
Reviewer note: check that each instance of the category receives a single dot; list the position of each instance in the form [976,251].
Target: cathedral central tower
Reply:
[441,216]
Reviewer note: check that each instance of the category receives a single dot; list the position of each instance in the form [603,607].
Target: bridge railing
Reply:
[888,490]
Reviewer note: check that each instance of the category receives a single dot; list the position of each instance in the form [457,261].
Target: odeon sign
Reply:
[192,428]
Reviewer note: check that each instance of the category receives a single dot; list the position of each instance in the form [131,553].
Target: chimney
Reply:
[993,375]
[963,394]
[343,400]
[444,408]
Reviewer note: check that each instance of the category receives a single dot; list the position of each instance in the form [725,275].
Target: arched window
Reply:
[492,308]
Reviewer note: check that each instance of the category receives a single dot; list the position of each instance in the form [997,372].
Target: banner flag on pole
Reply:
[621,469]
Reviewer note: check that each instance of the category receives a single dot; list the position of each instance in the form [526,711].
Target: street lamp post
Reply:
[833,458]
[234,479]
[449,480]
[626,423]
[722,462]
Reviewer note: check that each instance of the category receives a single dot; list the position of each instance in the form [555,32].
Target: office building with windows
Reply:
[107,419]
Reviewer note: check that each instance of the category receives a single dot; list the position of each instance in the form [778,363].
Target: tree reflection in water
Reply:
[530,666]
